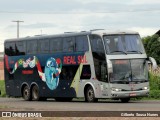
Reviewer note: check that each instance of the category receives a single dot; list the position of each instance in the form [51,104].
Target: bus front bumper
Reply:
[129,94]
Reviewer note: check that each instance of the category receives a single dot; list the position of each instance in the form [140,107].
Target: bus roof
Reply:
[108,32]
[68,34]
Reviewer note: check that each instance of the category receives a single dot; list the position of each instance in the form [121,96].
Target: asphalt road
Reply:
[77,105]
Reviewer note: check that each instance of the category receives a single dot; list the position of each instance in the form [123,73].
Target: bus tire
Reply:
[35,93]
[125,100]
[89,95]
[26,93]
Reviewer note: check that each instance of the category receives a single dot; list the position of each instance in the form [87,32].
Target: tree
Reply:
[152,46]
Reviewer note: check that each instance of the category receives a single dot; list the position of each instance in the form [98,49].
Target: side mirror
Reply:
[153,62]
[110,66]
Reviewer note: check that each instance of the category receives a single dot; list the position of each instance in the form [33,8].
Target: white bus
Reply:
[91,65]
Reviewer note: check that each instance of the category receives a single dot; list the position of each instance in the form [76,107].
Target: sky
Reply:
[59,16]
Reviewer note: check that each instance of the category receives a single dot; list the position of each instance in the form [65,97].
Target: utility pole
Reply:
[17,21]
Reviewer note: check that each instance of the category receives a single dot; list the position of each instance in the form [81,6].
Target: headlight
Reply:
[116,89]
[145,88]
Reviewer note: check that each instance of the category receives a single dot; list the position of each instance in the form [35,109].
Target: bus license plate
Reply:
[132,94]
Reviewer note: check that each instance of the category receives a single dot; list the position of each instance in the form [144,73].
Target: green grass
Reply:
[154,84]
[2,88]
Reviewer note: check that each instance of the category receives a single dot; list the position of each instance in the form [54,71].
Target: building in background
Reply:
[1,66]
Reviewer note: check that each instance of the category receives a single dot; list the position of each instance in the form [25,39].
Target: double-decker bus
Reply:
[91,65]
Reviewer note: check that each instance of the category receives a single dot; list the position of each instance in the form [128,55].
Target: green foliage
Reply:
[154,94]
[154,87]
[2,88]
[152,45]
[154,82]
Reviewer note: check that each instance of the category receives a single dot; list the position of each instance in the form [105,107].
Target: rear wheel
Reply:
[89,95]
[26,93]
[35,93]
[125,100]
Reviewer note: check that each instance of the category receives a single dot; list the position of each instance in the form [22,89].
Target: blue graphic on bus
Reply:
[52,72]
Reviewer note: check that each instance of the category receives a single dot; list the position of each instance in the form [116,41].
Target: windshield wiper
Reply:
[127,82]
[120,81]
[136,80]
[135,51]
[118,51]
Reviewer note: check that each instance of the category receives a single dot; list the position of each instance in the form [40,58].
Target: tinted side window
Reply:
[86,72]
[32,46]
[43,46]
[56,45]
[82,43]
[68,72]
[20,48]
[69,44]
[10,48]
[96,43]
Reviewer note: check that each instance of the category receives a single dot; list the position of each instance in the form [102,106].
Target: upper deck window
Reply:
[81,43]
[75,44]
[56,45]
[20,48]
[68,44]
[43,46]
[123,44]
[32,46]
[10,48]
[96,44]
[15,48]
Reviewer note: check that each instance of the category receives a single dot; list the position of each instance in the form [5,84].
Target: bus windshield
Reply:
[135,70]
[123,44]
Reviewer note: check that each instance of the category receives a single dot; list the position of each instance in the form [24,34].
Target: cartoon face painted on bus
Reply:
[52,71]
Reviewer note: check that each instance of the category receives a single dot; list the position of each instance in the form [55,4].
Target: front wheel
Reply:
[26,93]
[89,95]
